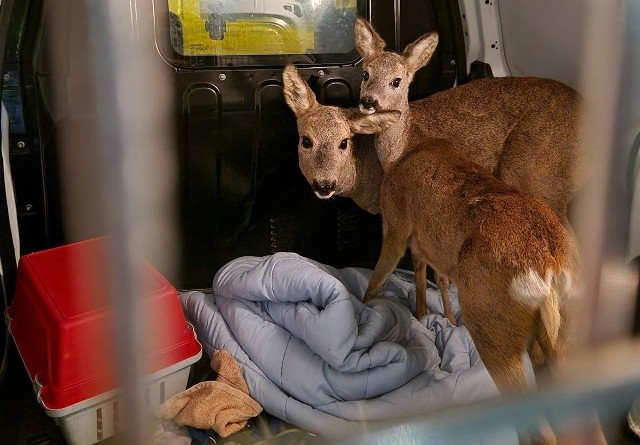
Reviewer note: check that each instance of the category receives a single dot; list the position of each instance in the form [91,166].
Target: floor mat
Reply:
[22,419]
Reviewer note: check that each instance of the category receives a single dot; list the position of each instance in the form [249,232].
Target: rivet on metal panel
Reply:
[28,207]
[21,144]
[320,73]
[222,76]
[452,62]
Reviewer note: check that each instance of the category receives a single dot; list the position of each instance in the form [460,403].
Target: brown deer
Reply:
[337,157]
[513,260]
[522,130]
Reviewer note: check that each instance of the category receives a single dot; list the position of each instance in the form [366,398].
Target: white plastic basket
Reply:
[98,418]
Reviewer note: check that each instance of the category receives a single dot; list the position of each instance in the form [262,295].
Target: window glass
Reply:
[235,29]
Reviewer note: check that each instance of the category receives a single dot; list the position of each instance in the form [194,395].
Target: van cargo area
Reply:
[211,171]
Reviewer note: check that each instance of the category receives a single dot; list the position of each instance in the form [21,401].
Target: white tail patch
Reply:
[535,291]
[565,285]
[530,288]
[550,316]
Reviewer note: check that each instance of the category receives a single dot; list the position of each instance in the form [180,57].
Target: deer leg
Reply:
[393,247]
[502,356]
[420,269]
[501,332]
[555,354]
[501,353]
[443,286]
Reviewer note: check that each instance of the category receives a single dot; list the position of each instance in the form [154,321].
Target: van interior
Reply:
[226,156]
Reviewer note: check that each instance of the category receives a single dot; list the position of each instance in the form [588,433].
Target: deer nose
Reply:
[324,188]
[368,103]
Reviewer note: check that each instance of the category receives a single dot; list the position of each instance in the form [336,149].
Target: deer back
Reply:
[446,201]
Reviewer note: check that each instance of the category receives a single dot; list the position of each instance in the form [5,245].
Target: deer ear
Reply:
[297,93]
[367,40]
[418,53]
[373,123]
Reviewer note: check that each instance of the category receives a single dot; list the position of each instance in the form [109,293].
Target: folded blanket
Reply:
[308,333]
[314,355]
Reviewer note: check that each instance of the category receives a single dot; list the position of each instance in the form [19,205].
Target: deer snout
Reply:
[324,189]
[368,105]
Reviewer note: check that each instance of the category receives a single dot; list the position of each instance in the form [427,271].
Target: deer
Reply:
[522,130]
[337,157]
[351,169]
[514,262]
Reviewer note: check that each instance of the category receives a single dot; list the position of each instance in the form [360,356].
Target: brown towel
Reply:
[223,405]
[225,365]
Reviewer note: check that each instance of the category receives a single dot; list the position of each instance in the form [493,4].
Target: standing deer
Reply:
[513,260]
[349,168]
[337,158]
[522,130]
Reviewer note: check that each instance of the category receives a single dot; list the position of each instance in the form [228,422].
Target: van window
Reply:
[210,33]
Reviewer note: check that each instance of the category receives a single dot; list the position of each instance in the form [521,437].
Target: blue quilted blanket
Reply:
[314,355]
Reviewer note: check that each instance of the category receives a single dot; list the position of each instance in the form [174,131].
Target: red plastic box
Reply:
[62,325]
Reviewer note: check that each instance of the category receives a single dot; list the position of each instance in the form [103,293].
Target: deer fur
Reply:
[522,130]
[514,262]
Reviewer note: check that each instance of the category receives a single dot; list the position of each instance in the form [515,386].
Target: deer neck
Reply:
[391,144]
[368,176]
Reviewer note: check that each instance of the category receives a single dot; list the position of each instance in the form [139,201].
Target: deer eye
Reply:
[306,142]
[396,82]
[344,143]
[365,75]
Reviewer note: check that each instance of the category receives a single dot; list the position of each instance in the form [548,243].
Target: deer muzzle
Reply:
[368,105]
[324,189]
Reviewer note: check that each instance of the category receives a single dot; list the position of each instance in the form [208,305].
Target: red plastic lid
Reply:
[62,322]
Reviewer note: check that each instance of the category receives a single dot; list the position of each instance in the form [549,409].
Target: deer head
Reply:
[327,154]
[387,75]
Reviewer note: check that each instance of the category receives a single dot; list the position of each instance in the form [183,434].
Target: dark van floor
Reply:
[22,419]
[24,422]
